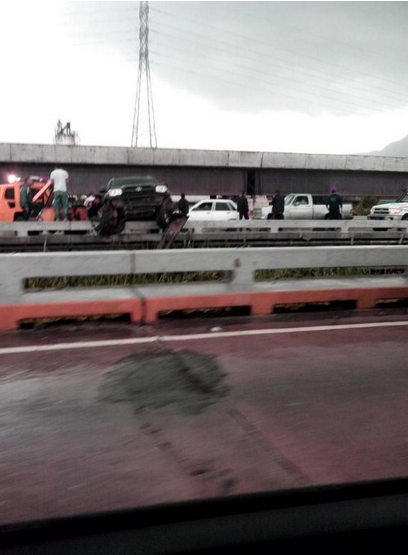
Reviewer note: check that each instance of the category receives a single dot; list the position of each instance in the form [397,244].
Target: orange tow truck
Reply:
[10,207]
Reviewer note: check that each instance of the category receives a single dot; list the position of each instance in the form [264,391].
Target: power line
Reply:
[262,79]
[276,65]
[329,40]
[94,22]
[243,84]
[297,69]
[254,40]
[284,78]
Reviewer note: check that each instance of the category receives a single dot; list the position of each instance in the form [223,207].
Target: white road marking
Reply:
[194,336]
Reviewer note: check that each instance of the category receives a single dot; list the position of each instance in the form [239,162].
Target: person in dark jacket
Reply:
[334,205]
[30,208]
[243,207]
[183,206]
[25,197]
[278,206]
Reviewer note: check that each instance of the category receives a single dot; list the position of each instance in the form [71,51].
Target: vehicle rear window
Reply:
[301,200]
[320,199]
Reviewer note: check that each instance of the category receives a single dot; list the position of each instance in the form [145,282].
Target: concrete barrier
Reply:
[144,303]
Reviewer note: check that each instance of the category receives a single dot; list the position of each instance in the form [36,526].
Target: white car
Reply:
[213,210]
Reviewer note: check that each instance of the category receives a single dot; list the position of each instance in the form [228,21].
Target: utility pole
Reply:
[144,96]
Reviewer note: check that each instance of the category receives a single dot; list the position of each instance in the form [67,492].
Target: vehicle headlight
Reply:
[396,210]
[114,192]
[161,188]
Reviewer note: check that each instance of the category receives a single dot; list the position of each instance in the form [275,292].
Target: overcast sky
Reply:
[318,77]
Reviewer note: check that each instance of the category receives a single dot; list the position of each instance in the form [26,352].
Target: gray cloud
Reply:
[310,57]
[340,57]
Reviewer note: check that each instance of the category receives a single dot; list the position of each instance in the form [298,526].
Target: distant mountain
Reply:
[397,148]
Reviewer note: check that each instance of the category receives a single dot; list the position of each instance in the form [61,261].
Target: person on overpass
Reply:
[25,197]
[243,207]
[60,179]
[334,205]
[183,206]
[278,206]
[30,208]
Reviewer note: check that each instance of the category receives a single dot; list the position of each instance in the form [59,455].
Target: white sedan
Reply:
[213,210]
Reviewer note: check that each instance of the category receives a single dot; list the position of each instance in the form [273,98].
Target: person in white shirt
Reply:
[60,179]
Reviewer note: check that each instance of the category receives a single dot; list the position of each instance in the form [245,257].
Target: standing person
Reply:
[278,206]
[183,206]
[243,207]
[334,205]
[60,178]
[30,209]
[25,197]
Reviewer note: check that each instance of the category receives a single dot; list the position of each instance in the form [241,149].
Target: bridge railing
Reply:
[22,229]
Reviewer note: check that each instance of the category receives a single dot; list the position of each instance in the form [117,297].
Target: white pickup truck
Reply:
[397,210]
[302,206]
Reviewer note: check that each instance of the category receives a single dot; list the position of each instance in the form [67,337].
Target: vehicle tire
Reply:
[120,221]
[112,221]
[19,219]
[404,217]
[164,213]
[326,217]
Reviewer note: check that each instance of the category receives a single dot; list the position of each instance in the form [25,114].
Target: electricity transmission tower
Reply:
[144,98]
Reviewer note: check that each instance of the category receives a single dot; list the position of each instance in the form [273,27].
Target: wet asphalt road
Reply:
[311,407]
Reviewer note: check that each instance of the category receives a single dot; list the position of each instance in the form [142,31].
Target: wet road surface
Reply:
[286,409]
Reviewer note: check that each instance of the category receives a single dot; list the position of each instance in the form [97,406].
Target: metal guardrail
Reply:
[151,241]
[23,229]
[271,226]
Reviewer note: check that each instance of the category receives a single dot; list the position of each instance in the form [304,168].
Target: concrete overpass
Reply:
[212,172]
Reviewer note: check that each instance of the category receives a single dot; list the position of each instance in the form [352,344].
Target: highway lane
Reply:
[289,401]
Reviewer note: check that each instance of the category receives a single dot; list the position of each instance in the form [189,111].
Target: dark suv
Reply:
[140,198]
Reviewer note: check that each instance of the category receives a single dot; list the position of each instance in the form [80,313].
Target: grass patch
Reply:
[207,312]
[129,280]
[314,307]
[393,303]
[121,280]
[30,323]
[301,273]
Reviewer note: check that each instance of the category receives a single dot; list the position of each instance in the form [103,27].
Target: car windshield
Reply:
[163,349]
